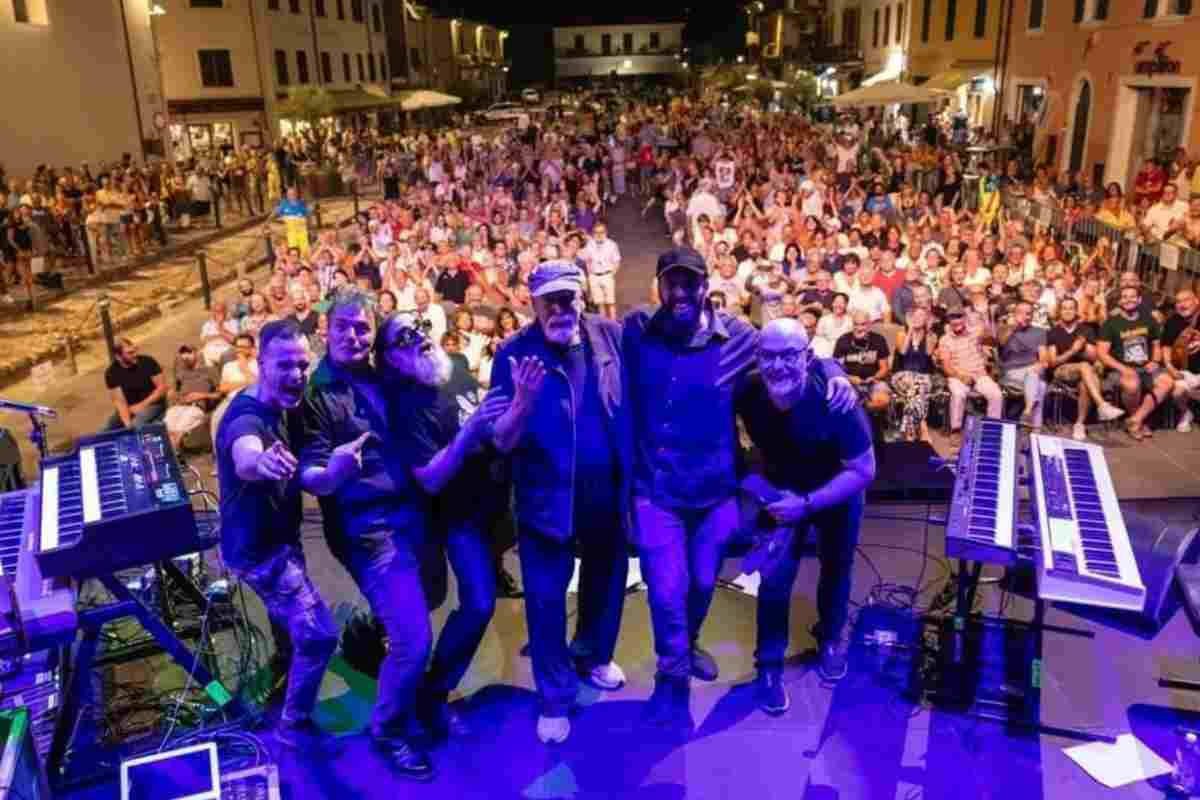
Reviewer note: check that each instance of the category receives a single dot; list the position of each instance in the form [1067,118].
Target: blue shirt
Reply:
[291,208]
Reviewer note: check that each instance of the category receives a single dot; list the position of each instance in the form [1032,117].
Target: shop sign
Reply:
[1161,64]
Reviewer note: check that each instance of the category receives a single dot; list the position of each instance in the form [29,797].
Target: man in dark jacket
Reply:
[567,432]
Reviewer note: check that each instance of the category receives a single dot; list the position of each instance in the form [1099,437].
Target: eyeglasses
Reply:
[789,358]
[412,335]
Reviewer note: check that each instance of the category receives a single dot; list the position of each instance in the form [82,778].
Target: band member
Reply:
[567,431]
[820,462]
[376,517]
[683,361]
[436,402]
[260,523]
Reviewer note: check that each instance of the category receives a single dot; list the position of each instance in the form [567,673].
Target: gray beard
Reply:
[435,368]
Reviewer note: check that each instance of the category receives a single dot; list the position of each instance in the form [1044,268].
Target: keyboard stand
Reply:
[960,635]
[79,692]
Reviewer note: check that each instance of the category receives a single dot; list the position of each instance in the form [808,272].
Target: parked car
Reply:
[504,112]
[531,96]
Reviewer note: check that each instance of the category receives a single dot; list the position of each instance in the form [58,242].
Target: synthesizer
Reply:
[117,501]
[45,606]
[1086,556]
[983,509]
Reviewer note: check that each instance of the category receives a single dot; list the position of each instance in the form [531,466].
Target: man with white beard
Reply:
[567,431]
[445,431]
[818,462]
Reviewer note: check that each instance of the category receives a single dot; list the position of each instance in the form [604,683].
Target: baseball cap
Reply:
[681,257]
[555,276]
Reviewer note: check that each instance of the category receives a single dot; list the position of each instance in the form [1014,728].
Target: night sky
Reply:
[714,27]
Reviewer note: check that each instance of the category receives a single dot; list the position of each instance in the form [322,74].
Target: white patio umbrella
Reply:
[883,94]
[424,98]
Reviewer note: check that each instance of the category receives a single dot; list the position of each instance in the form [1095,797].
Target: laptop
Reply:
[194,773]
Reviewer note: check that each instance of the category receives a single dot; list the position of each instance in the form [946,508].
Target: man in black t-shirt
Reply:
[137,388]
[446,424]
[1072,349]
[865,355]
[1129,345]
[260,523]
[1182,328]
[451,284]
[818,462]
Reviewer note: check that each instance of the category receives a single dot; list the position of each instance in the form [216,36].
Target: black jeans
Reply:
[837,538]
[547,565]
[305,635]
[469,549]
[386,566]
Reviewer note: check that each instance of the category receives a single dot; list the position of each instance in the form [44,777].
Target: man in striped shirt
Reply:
[964,361]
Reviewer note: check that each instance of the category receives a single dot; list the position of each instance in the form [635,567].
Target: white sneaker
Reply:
[1109,412]
[1185,424]
[553,730]
[1079,433]
[608,676]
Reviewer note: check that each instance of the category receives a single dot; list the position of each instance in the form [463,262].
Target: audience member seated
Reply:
[1130,346]
[1181,349]
[965,364]
[1071,353]
[193,395]
[915,371]
[1023,357]
[136,385]
[866,357]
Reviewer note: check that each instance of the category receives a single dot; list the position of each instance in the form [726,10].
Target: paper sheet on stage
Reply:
[1113,765]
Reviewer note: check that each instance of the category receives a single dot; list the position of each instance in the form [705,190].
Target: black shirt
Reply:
[257,517]
[136,382]
[1172,328]
[1062,340]
[804,447]
[595,464]
[452,287]
[861,357]
[308,325]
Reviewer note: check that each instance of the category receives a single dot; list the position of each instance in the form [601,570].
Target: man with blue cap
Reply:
[684,361]
[566,429]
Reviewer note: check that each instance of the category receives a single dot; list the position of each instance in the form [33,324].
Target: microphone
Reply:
[28,408]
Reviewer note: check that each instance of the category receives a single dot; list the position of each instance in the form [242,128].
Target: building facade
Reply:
[78,83]
[1111,83]
[448,54]
[884,39]
[227,65]
[838,59]
[639,49]
[954,45]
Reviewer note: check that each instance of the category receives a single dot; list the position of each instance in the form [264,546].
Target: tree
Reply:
[307,104]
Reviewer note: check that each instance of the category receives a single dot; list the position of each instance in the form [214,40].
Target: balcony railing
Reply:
[573,52]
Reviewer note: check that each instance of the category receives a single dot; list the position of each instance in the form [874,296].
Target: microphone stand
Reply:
[38,435]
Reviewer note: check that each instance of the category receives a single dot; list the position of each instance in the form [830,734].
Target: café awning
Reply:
[884,94]
[949,80]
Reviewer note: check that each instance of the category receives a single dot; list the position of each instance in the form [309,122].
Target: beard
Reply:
[562,329]
[783,385]
[432,368]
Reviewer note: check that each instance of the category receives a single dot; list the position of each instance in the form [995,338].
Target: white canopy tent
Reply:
[885,94]
[424,98]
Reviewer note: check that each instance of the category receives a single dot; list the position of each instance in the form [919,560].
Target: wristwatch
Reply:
[807,500]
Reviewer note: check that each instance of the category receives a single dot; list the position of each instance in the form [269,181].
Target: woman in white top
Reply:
[832,326]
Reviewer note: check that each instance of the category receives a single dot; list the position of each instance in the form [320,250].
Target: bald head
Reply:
[782,334]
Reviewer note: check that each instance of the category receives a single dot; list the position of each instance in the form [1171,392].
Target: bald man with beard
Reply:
[817,463]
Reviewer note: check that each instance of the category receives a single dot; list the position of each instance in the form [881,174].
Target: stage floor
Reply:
[860,740]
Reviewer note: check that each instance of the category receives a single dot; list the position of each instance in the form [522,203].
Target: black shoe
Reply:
[405,760]
[670,704]
[704,666]
[831,663]
[305,736]
[772,694]
[443,720]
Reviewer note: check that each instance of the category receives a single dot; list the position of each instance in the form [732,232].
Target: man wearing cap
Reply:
[567,432]
[683,361]
[603,258]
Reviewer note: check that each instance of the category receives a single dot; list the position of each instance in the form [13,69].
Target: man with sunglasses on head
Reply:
[443,427]
[684,360]
[566,430]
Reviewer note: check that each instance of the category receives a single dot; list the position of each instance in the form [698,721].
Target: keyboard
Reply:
[1086,556]
[45,606]
[983,508]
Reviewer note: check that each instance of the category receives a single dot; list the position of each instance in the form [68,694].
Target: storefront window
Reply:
[200,137]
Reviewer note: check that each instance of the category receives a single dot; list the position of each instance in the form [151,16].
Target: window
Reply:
[319,8]
[606,44]
[362,73]
[20,11]
[1151,9]
[1101,12]
[875,30]
[981,15]
[1037,14]
[356,10]
[216,68]
[627,42]
[1079,4]
[382,68]
[281,68]
[1167,8]
[951,13]
[326,68]
[926,20]
[655,41]
[272,5]
[346,67]
[294,6]
[579,41]
[341,9]
[414,56]
[376,19]
[887,25]
[371,65]
[899,23]
[301,67]
[207,3]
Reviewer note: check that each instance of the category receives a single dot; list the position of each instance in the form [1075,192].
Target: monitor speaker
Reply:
[1160,547]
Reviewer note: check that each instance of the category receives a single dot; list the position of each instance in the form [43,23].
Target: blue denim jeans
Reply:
[305,635]
[386,567]
[546,568]
[681,553]
[469,549]
[837,537]
[147,416]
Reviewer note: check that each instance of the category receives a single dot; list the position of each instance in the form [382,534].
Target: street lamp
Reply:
[157,10]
